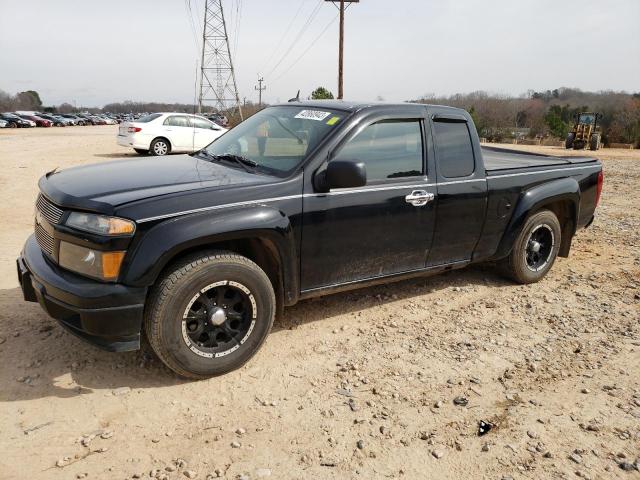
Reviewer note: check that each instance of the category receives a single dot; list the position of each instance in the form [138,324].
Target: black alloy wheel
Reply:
[218,319]
[539,247]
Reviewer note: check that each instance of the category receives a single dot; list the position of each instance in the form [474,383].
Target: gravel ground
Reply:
[385,382]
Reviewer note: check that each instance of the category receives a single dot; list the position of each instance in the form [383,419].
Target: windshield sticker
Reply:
[333,120]
[317,115]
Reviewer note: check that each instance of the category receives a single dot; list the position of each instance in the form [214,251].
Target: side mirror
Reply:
[345,174]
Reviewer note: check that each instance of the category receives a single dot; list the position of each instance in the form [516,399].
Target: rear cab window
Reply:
[454,149]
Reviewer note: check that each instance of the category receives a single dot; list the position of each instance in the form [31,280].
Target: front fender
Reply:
[560,190]
[165,241]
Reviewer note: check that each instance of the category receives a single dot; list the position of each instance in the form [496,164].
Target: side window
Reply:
[454,150]
[389,149]
[202,123]
[176,121]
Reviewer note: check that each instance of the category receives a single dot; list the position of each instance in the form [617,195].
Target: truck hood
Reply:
[103,187]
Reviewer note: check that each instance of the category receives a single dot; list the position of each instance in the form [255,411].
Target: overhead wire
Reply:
[314,41]
[304,28]
[284,35]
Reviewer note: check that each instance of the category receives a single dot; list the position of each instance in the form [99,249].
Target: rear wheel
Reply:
[568,143]
[210,314]
[159,147]
[12,125]
[535,249]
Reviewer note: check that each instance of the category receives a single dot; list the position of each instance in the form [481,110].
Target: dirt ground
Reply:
[355,385]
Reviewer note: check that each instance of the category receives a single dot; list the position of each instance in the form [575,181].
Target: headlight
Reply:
[100,224]
[92,263]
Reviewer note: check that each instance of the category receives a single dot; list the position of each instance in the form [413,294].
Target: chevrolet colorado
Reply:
[303,199]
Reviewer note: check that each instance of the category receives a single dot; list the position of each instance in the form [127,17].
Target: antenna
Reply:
[217,76]
[296,99]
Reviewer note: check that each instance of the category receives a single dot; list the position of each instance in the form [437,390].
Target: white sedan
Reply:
[162,133]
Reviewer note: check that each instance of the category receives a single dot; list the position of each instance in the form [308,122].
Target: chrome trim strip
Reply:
[347,191]
[453,182]
[354,190]
[542,171]
[217,207]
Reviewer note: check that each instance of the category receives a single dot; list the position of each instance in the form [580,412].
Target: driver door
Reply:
[380,229]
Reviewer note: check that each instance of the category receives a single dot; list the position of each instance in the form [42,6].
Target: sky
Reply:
[94,52]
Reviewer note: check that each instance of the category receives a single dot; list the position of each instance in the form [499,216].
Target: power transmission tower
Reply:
[217,77]
[341,45]
[260,89]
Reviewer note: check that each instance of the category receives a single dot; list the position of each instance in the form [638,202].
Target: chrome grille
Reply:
[48,210]
[44,240]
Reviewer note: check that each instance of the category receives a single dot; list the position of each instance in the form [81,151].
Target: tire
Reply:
[542,231]
[594,144]
[12,125]
[160,147]
[183,319]
[568,143]
[141,151]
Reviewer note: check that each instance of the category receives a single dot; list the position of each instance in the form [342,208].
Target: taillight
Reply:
[134,129]
[599,187]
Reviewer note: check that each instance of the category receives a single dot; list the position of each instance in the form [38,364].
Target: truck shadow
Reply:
[41,359]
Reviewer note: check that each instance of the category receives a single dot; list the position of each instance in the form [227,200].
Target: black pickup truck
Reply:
[302,199]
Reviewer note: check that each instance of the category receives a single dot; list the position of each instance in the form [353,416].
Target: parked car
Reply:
[30,122]
[219,119]
[88,120]
[3,123]
[55,120]
[108,120]
[163,133]
[40,122]
[14,121]
[300,200]
[77,120]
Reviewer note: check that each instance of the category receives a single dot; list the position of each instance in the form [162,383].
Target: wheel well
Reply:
[161,138]
[261,251]
[565,211]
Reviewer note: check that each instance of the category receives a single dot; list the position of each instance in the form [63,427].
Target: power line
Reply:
[304,28]
[236,32]
[189,12]
[315,40]
[284,35]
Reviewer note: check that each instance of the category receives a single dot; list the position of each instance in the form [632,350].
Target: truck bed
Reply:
[498,159]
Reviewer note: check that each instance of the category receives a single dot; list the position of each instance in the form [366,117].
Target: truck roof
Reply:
[353,106]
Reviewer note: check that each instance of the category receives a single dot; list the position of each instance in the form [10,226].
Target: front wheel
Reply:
[568,143]
[535,249]
[210,314]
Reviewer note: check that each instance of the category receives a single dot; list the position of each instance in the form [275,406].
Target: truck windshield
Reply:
[277,139]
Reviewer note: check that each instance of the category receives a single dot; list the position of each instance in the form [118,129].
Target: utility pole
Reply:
[260,89]
[217,76]
[342,9]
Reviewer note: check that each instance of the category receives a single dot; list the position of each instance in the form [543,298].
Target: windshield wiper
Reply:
[246,163]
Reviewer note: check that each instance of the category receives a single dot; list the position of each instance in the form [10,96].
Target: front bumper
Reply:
[108,315]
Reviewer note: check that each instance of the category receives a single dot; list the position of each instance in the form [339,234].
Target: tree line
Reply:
[548,114]
[497,117]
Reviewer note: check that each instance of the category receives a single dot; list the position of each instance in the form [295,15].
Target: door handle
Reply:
[419,198]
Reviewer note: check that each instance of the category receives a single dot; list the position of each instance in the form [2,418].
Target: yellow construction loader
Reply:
[585,132]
